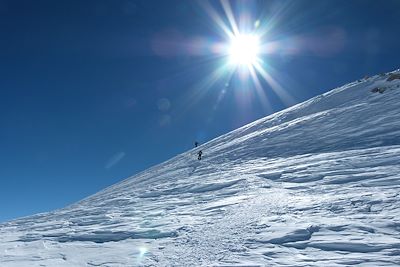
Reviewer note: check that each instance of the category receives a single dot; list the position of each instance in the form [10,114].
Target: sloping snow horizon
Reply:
[317,184]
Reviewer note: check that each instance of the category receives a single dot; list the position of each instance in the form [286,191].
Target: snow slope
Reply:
[317,184]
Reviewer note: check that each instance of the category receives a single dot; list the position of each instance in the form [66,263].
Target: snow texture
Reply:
[317,184]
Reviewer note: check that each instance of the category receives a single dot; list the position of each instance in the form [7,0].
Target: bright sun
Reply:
[244,50]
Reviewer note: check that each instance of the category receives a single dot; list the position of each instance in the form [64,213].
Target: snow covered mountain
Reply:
[317,184]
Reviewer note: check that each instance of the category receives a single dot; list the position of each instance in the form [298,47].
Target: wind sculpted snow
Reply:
[317,184]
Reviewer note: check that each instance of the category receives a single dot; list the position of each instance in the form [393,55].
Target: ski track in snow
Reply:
[317,184]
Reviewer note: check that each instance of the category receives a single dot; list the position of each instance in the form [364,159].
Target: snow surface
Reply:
[317,184]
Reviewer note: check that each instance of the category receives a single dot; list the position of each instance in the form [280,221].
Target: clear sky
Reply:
[92,92]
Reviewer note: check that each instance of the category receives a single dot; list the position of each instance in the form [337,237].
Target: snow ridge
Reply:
[317,184]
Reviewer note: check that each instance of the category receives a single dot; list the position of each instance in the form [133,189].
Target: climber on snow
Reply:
[199,154]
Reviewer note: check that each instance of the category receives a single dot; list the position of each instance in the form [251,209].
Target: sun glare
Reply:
[243,52]
[244,49]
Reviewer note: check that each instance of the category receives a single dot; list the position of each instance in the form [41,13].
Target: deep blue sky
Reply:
[92,92]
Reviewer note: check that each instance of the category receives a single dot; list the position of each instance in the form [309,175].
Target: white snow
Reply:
[317,184]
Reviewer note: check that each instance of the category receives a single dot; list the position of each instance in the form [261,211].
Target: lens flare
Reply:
[142,251]
[244,49]
[245,53]
[140,255]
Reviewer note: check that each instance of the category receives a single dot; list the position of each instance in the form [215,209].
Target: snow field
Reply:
[317,184]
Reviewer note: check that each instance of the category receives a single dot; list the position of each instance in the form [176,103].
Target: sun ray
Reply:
[200,89]
[275,17]
[216,17]
[246,51]
[260,91]
[278,89]
[229,14]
